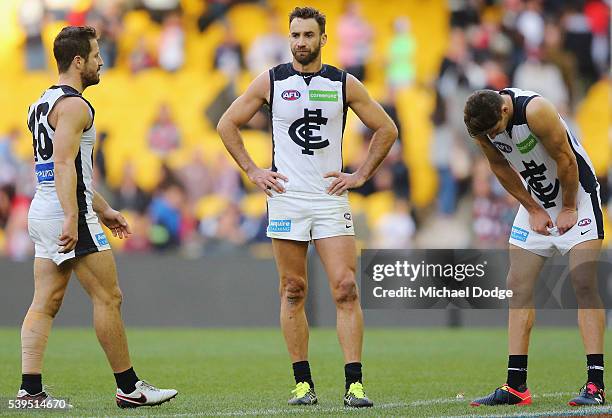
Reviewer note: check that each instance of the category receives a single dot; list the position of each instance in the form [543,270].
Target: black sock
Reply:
[126,381]
[31,383]
[517,371]
[352,374]
[595,369]
[301,372]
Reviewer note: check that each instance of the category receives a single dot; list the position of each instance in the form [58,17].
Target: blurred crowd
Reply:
[559,48]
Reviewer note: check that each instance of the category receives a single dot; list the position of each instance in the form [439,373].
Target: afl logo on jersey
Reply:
[584,222]
[291,95]
[503,147]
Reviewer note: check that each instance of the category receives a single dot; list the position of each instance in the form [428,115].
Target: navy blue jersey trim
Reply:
[586,177]
[273,78]
[519,109]
[344,114]
[72,92]
[519,116]
[80,186]
[271,98]
[282,71]
[598,214]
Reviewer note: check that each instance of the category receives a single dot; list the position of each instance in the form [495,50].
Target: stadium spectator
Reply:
[141,57]
[139,241]
[196,176]
[493,211]
[441,154]
[368,187]
[355,36]
[530,24]
[18,244]
[400,179]
[7,194]
[228,55]
[226,179]
[8,160]
[226,230]
[106,17]
[269,49]
[395,230]
[545,78]
[159,9]
[579,41]
[553,53]
[129,196]
[401,69]
[165,212]
[32,16]
[215,9]
[172,43]
[598,14]
[100,159]
[164,135]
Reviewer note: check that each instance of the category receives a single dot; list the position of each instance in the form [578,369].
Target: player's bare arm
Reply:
[544,122]
[385,133]
[113,219]
[71,118]
[238,114]
[539,219]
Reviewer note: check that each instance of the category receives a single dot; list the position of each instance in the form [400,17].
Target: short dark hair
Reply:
[72,41]
[482,111]
[308,13]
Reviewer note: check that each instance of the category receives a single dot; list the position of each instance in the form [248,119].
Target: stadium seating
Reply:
[127,103]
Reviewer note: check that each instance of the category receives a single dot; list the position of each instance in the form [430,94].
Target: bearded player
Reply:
[542,164]
[64,223]
[307,190]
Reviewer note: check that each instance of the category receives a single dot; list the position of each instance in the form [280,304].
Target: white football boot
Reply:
[144,395]
[41,400]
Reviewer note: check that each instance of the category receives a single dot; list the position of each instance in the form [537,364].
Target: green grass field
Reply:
[408,372]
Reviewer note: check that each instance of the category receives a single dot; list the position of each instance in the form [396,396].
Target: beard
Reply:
[308,58]
[90,78]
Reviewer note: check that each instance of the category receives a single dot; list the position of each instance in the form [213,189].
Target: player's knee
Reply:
[53,304]
[345,290]
[518,285]
[586,290]
[293,289]
[49,304]
[112,298]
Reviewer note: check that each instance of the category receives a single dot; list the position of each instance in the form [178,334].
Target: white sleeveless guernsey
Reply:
[308,113]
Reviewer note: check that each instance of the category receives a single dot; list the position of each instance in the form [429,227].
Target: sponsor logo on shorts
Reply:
[584,222]
[323,95]
[347,216]
[585,232]
[291,95]
[279,225]
[519,234]
[503,147]
[45,172]
[101,238]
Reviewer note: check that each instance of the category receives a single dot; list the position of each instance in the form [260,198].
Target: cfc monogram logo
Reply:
[303,130]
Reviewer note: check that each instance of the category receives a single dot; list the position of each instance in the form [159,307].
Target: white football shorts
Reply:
[588,227]
[46,232]
[308,216]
